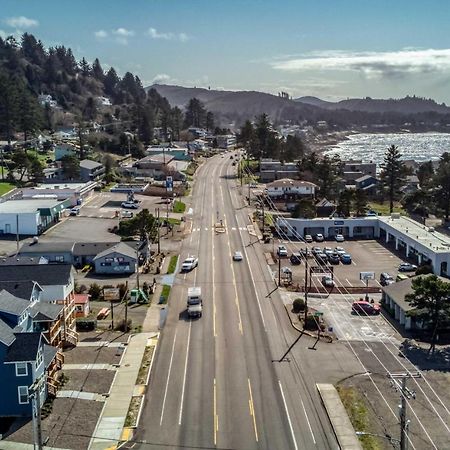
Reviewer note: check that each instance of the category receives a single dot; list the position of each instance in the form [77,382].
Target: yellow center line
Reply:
[252,409]
[216,417]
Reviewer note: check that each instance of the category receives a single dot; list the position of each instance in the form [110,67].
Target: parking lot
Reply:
[367,256]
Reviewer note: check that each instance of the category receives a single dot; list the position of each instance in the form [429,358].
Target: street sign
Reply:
[365,276]
[169,184]
[111,294]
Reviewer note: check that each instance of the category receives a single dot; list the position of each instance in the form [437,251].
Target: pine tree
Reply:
[97,70]
[393,174]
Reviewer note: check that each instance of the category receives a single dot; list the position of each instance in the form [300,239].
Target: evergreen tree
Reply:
[292,148]
[442,184]
[90,109]
[176,122]
[209,121]
[360,202]
[70,167]
[9,105]
[344,203]
[195,115]
[84,67]
[36,170]
[97,70]
[30,113]
[393,174]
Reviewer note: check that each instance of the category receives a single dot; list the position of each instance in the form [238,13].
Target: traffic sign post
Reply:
[366,276]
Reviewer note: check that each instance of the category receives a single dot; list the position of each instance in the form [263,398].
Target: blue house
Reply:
[25,356]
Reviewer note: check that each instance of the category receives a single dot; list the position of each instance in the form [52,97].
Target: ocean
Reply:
[371,147]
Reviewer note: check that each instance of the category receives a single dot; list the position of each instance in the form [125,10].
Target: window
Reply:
[59,259]
[21,369]
[23,394]
[39,358]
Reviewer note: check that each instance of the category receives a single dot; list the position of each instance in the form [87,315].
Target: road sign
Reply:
[111,294]
[169,184]
[365,276]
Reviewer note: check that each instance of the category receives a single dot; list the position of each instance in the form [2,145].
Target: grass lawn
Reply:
[179,207]
[6,187]
[191,168]
[172,264]
[358,413]
[165,292]
[174,221]
[383,208]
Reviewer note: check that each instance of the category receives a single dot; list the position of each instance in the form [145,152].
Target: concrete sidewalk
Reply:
[343,428]
[109,428]
[6,445]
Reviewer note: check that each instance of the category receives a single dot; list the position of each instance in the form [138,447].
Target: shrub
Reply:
[95,291]
[86,324]
[121,326]
[311,323]
[298,305]
[122,290]
[423,270]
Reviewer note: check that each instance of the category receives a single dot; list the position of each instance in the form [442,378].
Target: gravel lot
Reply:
[89,355]
[70,424]
[97,381]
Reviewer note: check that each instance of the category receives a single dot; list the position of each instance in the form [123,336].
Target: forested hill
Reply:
[407,105]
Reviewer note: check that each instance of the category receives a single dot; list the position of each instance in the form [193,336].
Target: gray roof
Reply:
[46,247]
[89,164]
[94,248]
[21,289]
[11,304]
[121,248]
[6,333]
[44,274]
[21,260]
[27,206]
[398,290]
[24,348]
[49,354]
[365,177]
[45,311]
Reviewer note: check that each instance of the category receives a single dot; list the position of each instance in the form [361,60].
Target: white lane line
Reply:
[289,417]
[168,378]
[309,425]
[184,376]
[348,282]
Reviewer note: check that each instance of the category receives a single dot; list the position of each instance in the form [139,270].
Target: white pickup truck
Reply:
[194,302]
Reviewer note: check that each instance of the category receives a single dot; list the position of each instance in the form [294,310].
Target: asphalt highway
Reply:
[216,380]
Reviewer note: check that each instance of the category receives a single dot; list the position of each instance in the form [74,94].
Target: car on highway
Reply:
[386,279]
[407,267]
[334,258]
[282,251]
[129,205]
[237,256]
[319,237]
[75,211]
[365,308]
[308,238]
[327,281]
[189,263]
[346,258]
[339,238]
[296,258]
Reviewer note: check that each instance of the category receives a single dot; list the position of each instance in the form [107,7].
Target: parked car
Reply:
[75,211]
[328,281]
[371,213]
[296,259]
[282,251]
[129,205]
[386,279]
[321,258]
[346,258]
[339,238]
[189,263]
[333,258]
[308,238]
[407,267]
[339,250]
[127,214]
[363,307]
[316,250]
[319,237]
[237,256]
[327,250]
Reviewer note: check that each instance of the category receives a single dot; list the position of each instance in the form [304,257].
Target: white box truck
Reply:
[194,302]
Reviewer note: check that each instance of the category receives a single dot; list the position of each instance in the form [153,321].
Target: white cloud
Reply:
[101,34]
[167,36]
[3,34]
[371,64]
[162,78]
[123,32]
[21,22]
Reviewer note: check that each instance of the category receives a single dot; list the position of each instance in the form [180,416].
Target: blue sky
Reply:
[333,49]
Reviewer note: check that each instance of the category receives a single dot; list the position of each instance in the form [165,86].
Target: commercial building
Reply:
[414,241]
[271,170]
[118,259]
[289,189]
[226,141]
[30,217]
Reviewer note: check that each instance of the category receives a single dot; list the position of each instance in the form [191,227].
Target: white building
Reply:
[290,188]
[226,141]
[415,241]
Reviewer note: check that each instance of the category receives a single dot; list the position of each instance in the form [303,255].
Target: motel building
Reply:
[416,242]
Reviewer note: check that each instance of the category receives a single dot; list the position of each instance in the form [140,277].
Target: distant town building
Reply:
[290,189]
[91,170]
[226,141]
[271,170]
[47,99]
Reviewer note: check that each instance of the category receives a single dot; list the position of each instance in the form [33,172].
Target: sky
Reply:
[332,49]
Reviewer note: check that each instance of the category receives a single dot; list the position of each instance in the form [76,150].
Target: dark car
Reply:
[386,279]
[333,258]
[296,259]
[321,258]
[346,258]
[365,308]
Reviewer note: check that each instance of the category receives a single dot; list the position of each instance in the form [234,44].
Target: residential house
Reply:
[325,208]
[47,99]
[82,305]
[200,133]
[116,260]
[57,287]
[354,169]
[288,189]
[91,170]
[411,184]
[65,149]
[156,166]
[271,170]
[367,183]
[30,216]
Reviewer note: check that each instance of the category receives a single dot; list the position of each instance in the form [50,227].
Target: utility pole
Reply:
[159,245]
[279,270]
[126,306]
[137,267]
[306,286]
[405,394]
[35,395]
[263,216]
[17,233]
